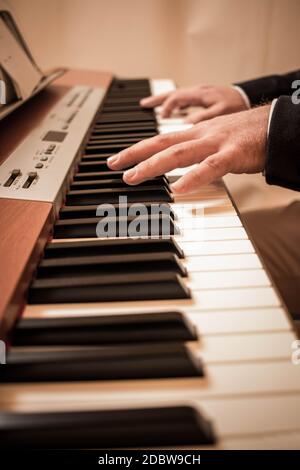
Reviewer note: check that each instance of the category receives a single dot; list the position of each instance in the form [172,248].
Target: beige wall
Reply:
[189,40]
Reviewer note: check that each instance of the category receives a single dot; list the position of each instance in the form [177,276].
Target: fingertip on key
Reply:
[145,102]
[178,187]
[112,161]
[130,176]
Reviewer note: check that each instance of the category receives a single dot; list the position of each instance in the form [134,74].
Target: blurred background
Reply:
[215,41]
[190,41]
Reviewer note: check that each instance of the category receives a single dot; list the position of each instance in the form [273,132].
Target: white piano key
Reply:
[159,86]
[236,298]
[246,347]
[208,222]
[227,279]
[222,262]
[178,125]
[206,207]
[191,228]
[289,440]
[201,196]
[224,322]
[255,415]
[221,247]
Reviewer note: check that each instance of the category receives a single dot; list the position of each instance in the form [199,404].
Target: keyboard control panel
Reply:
[37,169]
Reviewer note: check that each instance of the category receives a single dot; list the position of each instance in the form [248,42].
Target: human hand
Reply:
[235,143]
[214,100]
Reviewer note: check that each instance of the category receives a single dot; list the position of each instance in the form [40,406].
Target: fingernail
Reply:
[112,160]
[143,101]
[130,174]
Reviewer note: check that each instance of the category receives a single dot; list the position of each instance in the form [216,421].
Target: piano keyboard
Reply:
[82,358]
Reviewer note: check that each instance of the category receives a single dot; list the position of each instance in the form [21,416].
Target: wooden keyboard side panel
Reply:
[25,226]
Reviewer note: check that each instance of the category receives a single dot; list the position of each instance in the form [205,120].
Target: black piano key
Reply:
[96,140]
[120,137]
[98,174]
[111,196]
[87,167]
[112,247]
[83,266]
[111,288]
[106,148]
[104,329]
[107,129]
[160,225]
[97,158]
[117,428]
[115,140]
[126,362]
[121,100]
[77,212]
[129,93]
[126,117]
[121,108]
[113,183]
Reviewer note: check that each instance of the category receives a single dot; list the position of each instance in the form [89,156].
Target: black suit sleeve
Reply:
[283,147]
[265,89]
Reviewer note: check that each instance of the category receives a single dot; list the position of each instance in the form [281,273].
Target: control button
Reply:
[39,165]
[31,177]
[50,149]
[44,159]
[14,174]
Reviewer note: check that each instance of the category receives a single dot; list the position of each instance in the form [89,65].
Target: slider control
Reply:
[13,176]
[31,177]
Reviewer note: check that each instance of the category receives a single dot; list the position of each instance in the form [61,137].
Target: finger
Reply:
[205,114]
[175,100]
[147,148]
[210,169]
[152,101]
[177,156]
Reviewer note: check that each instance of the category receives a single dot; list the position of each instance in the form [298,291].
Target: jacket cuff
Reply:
[261,90]
[283,146]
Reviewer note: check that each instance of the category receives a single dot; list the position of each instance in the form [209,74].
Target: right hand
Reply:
[214,100]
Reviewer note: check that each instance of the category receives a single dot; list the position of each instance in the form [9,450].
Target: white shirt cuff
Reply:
[243,95]
[270,115]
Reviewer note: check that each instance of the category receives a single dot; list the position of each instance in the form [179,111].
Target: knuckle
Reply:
[163,139]
[215,163]
[178,155]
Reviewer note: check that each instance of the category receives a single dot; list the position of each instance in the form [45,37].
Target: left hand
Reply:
[234,143]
